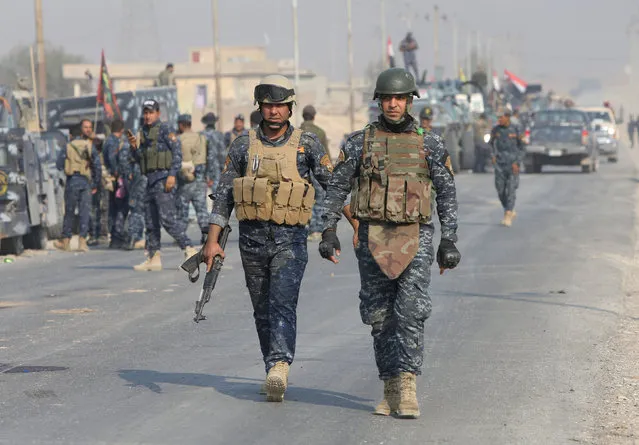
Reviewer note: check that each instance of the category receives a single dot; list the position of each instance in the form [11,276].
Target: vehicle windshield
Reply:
[603,115]
[559,117]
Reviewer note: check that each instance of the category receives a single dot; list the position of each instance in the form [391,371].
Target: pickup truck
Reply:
[561,137]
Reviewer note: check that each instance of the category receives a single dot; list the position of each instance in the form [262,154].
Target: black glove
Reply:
[329,243]
[448,257]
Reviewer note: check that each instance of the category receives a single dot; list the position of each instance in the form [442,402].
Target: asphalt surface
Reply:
[92,352]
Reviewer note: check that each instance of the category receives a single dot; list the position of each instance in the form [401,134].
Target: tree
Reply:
[17,63]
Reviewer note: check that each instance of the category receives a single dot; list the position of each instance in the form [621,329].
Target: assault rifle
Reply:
[192,267]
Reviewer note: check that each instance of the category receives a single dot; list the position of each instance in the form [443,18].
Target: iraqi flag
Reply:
[516,81]
[105,94]
[390,53]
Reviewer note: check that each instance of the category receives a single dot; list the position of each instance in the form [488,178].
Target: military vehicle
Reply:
[455,105]
[66,113]
[30,195]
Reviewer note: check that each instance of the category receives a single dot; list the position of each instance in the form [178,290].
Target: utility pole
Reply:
[218,67]
[478,58]
[296,50]
[469,55]
[350,63]
[42,70]
[436,41]
[382,7]
[455,44]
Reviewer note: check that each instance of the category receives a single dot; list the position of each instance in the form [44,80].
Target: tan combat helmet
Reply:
[274,89]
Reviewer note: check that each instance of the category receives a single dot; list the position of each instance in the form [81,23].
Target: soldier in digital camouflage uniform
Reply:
[192,177]
[135,184]
[266,179]
[508,154]
[118,201]
[81,164]
[393,165]
[315,227]
[215,149]
[160,159]
[237,130]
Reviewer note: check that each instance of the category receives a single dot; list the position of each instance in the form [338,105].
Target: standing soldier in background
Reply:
[315,227]
[266,179]
[81,164]
[408,47]
[237,131]
[135,184]
[507,154]
[426,118]
[192,176]
[160,159]
[215,149]
[118,205]
[166,77]
[392,201]
[482,149]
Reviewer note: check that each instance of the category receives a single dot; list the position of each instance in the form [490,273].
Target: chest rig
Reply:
[272,188]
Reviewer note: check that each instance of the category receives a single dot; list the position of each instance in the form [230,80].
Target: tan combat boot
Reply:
[276,382]
[391,398]
[63,244]
[82,245]
[151,264]
[506,221]
[189,251]
[141,244]
[408,408]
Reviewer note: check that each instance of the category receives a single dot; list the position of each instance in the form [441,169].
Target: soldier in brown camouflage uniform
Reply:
[390,167]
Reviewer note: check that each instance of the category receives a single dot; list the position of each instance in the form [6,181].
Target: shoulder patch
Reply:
[326,162]
[172,137]
[449,165]
[300,149]
[226,163]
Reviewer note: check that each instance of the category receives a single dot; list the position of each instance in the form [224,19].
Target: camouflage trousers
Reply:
[118,209]
[506,183]
[274,259]
[396,309]
[77,193]
[136,195]
[161,212]
[193,192]
[316,224]
[100,216]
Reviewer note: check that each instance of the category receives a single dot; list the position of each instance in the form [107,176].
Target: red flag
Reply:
[105,93]
[520,84]
[390,53]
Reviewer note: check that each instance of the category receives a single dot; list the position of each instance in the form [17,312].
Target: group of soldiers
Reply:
[382,183]
[388,180]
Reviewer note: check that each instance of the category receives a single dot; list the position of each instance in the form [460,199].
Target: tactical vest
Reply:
[78,160]
[394,184]
[272,188]
[152,158]
[193,148]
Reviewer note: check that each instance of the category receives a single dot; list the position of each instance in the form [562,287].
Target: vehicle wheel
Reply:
[13,245]
[612,159]
[37,239]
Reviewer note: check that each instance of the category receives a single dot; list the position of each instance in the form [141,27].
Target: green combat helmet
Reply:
[395,81]
[426,113]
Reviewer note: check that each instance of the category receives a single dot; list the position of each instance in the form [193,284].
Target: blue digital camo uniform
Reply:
[215,154]
[77,193]
[508,149]
[118,207]
[395,309]
[194,192]
[135,183]
[274,256]
[160,206]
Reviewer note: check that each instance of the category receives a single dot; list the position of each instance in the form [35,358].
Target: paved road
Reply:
[512,347]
